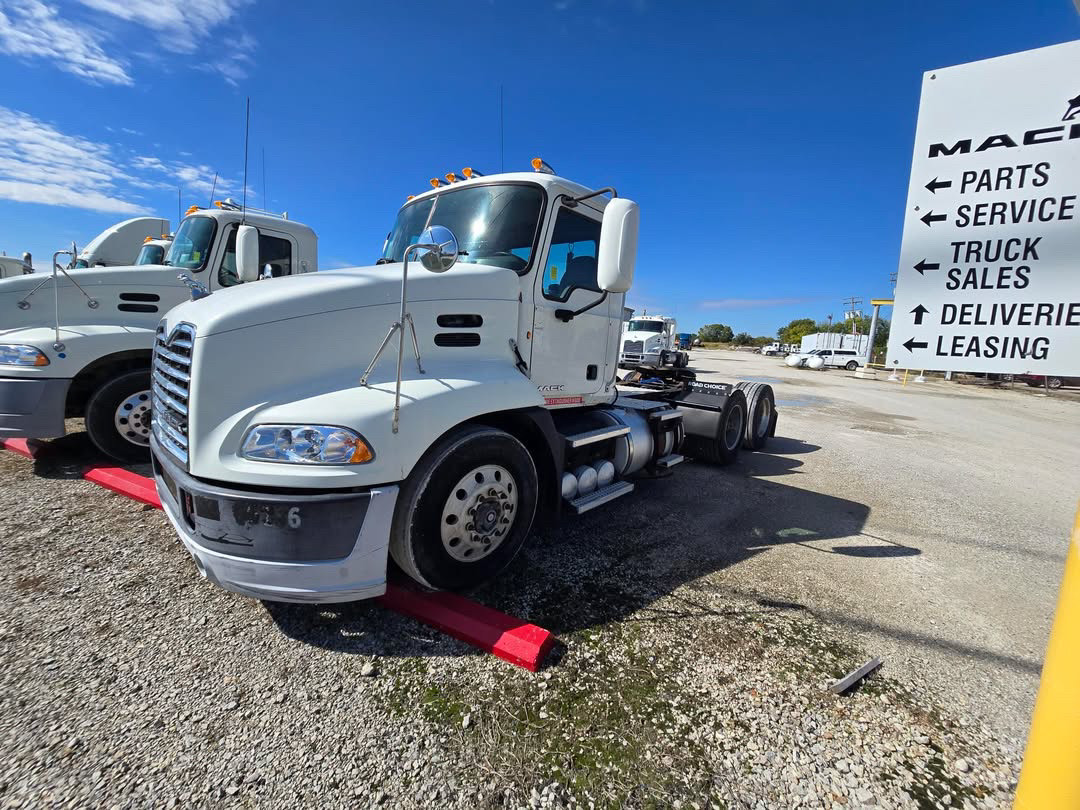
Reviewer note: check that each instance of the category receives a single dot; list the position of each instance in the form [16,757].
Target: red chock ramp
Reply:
[134,486]
[511,639]
[24,447]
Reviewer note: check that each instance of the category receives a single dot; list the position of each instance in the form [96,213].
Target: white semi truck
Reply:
[120,244]
[78,343]
[651,339]
[11,266]
[153,250]
[295,456]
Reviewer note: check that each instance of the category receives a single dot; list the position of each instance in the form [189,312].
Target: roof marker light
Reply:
[191,210]
[541,165]
[409,197]
[147,239]
[452,178]
[469,172]
[435,182]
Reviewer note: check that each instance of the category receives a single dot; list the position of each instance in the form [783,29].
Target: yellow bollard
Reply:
[906,371]
[1050,777]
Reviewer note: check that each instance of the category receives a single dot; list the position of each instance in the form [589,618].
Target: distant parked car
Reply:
[1052,381]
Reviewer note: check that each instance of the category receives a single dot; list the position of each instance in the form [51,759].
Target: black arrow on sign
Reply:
[919,311]
[935,184]
[914,344]
[930,218]
[925,265]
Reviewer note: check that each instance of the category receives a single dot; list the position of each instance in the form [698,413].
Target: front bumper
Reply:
[32,409]
[321,547]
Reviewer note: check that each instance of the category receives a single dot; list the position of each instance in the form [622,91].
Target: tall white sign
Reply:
[989,277]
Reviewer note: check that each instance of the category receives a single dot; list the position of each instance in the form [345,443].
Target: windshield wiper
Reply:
[385,260]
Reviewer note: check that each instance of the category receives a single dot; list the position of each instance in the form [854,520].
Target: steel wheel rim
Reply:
[733,429]
[479,513]
[132,419]
[765,417]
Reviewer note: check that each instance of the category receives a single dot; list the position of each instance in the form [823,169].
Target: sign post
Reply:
[989,277]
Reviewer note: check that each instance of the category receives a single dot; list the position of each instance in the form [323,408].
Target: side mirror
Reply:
[618,245]
[247,253]
[443,251]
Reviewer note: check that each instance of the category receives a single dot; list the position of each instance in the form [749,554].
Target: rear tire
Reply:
[724,448]
[761,414]
[852,365]
[1053,383]
[435,538]
[118,417]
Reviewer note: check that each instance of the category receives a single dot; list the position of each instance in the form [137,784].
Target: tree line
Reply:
[794,332]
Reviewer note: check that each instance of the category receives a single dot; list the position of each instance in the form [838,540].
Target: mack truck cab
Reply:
[120,244]
[79,342]
[427,409]
[652,340]
[154,250]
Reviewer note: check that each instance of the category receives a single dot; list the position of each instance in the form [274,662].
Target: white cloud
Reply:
[31,29]
[40,164]
[180,23]
[193,178]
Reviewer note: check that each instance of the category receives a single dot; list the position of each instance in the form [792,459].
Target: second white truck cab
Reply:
[154,250]
[428,408]
[12,266]
[118,245]
[78,343]
[651,339]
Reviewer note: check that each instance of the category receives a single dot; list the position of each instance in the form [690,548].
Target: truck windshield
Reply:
[151,254]
[494,225]
[645,326]
[191,245]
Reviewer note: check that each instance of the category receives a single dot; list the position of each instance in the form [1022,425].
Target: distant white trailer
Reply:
[835,340]
[13,266]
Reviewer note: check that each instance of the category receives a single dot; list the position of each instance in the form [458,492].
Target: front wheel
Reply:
[118,417]
[466,509]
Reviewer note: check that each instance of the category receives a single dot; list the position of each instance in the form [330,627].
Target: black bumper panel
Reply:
[262,526]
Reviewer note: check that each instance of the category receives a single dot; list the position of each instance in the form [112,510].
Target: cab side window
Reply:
[571,263]
[272,250]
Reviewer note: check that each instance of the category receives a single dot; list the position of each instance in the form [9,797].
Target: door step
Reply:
[670,460]
[601,496]
[576,440]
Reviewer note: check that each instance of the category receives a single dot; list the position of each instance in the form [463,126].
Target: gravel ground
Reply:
[126,680]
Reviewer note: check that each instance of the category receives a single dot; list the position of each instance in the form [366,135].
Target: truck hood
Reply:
[279,299]
[643,336]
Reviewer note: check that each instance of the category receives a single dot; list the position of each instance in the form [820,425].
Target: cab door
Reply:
[569,358]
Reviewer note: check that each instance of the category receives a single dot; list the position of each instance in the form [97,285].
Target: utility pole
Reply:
[851,311]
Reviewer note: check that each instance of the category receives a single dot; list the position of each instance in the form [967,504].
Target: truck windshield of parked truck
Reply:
[191,244]
[645,326]
[151,254]
[495,225]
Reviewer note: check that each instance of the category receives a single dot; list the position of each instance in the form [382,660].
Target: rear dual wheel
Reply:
[724,448]
[466,509]
[761,414]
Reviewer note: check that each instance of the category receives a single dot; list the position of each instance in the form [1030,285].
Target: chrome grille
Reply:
[170,380]
[633,346]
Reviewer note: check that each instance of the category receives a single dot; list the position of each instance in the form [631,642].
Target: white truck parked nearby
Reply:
[10,266]
[651,339]
[79,342]
[295,458]
[118,245]
[153,250]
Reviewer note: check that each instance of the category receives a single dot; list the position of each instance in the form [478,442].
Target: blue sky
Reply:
[768,143]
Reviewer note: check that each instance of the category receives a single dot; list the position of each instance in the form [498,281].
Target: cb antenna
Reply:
[179,207]
[247,130]
[213,188]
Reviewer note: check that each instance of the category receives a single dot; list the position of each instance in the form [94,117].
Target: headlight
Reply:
[22,356]
[305,444]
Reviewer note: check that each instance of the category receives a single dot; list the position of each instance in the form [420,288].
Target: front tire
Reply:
[465,510]
[118,417]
